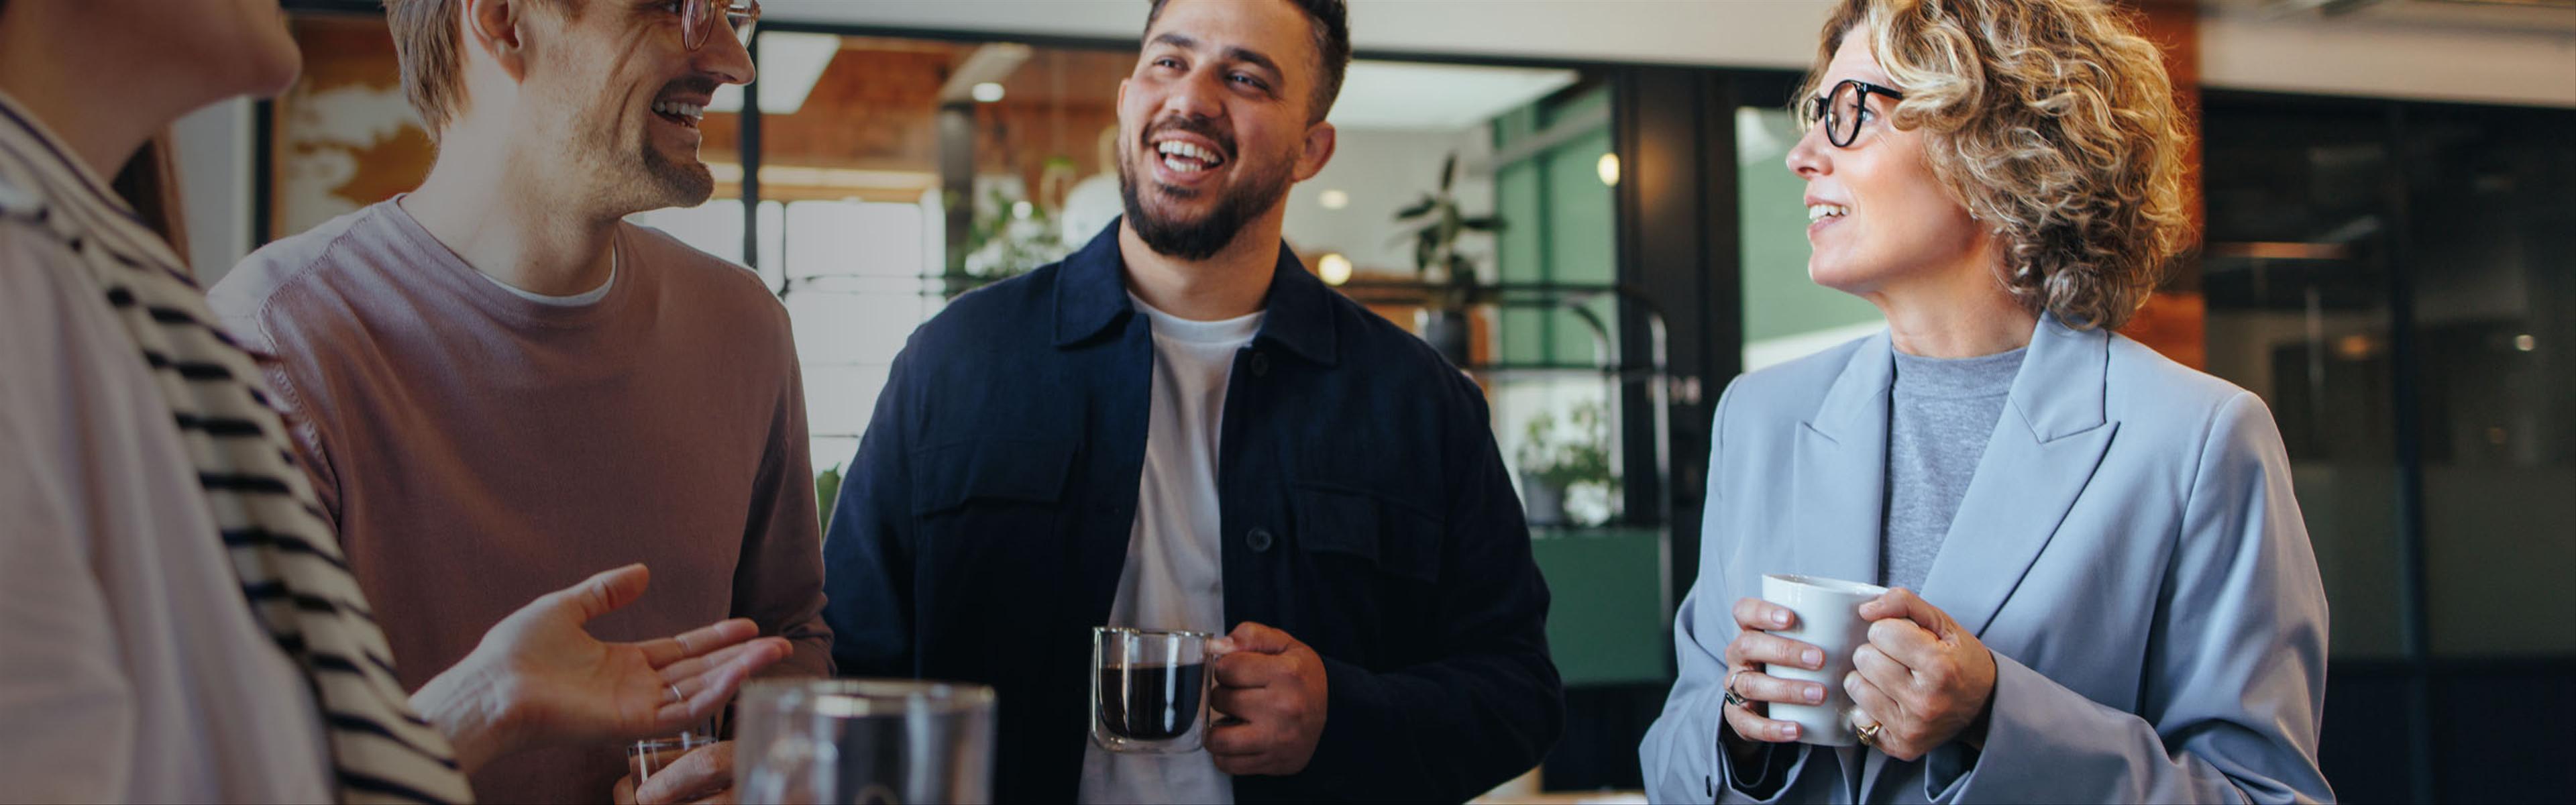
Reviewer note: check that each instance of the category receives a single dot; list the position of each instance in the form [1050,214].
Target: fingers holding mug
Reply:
[1753,692]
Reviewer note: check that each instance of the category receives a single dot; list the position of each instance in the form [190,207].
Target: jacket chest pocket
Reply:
[979,495]
[1373,570]
[1391,538]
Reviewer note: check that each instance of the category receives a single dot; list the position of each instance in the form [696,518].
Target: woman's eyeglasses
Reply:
[1842,110]
[699,19]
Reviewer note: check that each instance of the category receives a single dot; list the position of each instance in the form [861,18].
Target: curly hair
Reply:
[2051,121]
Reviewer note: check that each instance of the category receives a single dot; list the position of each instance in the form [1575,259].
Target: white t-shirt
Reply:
[1175,576]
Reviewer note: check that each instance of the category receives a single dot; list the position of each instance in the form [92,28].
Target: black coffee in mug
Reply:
[1151,702]
[1149,689]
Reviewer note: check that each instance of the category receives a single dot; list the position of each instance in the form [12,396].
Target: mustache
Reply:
[696,85]
[1224,140]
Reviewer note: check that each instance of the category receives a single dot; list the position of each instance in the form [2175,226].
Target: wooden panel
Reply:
[2172,320]
[345,138]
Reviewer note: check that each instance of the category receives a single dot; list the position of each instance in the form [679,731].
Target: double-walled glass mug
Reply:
[1149,689]
[852,741]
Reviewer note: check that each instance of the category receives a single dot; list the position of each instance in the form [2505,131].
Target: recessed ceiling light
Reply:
[1333,199]
[988,92]
[1609,168]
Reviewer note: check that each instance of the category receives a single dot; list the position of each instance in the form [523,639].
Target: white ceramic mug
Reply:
[1828,618]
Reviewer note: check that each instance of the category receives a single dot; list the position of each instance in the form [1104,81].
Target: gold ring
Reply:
[1868,735]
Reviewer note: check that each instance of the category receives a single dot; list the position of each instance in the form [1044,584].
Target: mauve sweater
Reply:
[477,449]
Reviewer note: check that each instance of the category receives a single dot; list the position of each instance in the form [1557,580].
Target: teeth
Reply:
[1818,212]
[1177,148]
[690,111]
[1174,162]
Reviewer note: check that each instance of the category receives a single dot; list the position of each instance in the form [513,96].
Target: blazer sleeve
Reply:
[1491,705]
[1682,756]
[2235,659]
[868,550]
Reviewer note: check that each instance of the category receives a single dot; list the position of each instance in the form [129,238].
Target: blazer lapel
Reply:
[1841,471]
[2050,439]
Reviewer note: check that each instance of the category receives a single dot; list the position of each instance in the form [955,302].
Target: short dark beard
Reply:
[675,184]
[1255,192]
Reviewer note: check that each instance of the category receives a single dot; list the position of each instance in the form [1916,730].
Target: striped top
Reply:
[259,503]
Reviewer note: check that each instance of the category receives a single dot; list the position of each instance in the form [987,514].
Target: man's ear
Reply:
[1320,139]
[498,28]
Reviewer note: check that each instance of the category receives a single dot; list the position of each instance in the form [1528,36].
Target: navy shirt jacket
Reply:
[1366,511]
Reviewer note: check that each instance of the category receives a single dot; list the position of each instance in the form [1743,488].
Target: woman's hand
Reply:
[1752,647]
[538,678]
[1921,677]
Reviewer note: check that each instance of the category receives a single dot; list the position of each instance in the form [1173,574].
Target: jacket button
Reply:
[1260,364]
[1258,540]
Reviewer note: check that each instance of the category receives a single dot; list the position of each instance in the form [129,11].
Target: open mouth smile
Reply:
[677,113]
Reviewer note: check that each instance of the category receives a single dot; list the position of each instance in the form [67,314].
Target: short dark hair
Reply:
[1331,20]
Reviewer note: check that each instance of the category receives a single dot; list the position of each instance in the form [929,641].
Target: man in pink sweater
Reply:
[499,386]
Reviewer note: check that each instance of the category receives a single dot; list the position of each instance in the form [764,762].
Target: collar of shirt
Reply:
[65,184]
[1091,295]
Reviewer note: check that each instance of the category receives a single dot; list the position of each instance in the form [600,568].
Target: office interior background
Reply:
[2388,258]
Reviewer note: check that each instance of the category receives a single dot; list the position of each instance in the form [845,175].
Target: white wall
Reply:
[213,155]
[2240,49]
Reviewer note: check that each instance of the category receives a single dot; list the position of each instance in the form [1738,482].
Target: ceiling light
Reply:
[2525,342]
[1609,168]
[1334,268]
[1333,199]
[988,92]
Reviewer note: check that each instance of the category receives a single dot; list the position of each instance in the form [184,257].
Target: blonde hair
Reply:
[2053,122]
[429,43]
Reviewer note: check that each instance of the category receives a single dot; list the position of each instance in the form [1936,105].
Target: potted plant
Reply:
[1567,479]
[1435,225]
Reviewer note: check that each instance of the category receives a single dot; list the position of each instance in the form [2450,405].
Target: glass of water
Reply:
[850,741]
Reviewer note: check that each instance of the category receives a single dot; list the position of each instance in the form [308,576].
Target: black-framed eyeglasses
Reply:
[699,19]
[1842,109]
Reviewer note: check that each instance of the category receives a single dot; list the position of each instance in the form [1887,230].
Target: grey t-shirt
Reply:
[1943,412]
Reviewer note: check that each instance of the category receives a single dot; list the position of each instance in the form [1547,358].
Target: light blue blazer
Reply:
[2129,549]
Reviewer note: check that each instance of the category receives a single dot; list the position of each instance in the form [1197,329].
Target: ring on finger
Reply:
[675,693]
[1733,697]
[1868,734]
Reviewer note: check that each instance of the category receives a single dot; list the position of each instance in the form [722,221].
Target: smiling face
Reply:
[1878,215]
[1217,122]
[612,101]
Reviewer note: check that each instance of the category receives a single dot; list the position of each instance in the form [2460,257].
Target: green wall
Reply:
[1562,228]
[1779,299]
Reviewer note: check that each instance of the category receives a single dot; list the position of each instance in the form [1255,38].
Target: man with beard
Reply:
[1178,427]
[499,386]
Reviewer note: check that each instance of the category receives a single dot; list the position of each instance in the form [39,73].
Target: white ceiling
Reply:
[2393,48]
[1437,97]
[2497,16]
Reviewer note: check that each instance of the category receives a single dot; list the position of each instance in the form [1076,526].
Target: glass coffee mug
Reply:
[1149,689]
[853,741]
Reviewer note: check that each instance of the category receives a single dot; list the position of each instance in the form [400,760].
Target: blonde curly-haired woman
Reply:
[2117,599]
